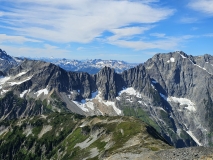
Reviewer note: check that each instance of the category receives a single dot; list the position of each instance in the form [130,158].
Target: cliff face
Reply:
[6,61]
[185,83]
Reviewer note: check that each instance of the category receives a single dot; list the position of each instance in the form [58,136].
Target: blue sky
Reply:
[129,30]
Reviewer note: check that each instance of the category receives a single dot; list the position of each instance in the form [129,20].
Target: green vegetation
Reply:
[16,140]
[165,117]
[14,106]
[156,96]
[62,136]
[140,114]
[209,112]
[184,135]
[56,102]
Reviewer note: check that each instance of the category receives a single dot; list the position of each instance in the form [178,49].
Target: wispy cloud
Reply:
[194,28]
[165,43]
[46,51]
[209,35]
[205,6]
[188,20]
[159,35]
[15,39]
[127,32]
[78,21]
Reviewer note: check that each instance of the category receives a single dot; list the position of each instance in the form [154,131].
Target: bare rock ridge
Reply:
[6,61]
[172,92]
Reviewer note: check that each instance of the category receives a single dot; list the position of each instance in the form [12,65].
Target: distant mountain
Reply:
[89,66]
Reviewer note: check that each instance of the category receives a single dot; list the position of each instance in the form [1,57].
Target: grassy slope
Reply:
[100,136]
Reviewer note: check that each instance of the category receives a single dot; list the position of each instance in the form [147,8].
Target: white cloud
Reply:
[205,6]
[36,52]
[140,45]
[15,39]
[159,35]
[79,20]
[47,46]
[188,20]
[1,14]
[80,48]
[209,35]
[127,32]
[167,43]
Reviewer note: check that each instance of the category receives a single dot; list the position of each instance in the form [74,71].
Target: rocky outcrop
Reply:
[138,79]
[6,61]
[108,82]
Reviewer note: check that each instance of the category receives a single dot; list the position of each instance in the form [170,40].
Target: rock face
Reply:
[172,92]
[185,83]
[6,61]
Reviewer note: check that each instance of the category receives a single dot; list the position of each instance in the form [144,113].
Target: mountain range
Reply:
[172,93]
[89,66]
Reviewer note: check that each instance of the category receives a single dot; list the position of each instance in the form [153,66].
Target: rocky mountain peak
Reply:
[6,61]
[5,56]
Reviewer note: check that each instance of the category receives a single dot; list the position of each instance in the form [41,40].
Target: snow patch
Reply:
[17,83]
[81,106]
[194,138]
[196,64]
[163,96]
[90,105]
[130,91]
[20,74]
[153,81]
[23,93]
[4,91]
[140,102]
[3,80]
[45,91]
[171,60]
[183,56]
[94,94]
[85,104]
[108,103]
[183,101]
[153,87]
[202,68]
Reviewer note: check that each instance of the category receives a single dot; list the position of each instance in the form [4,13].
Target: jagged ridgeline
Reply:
[170,92]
